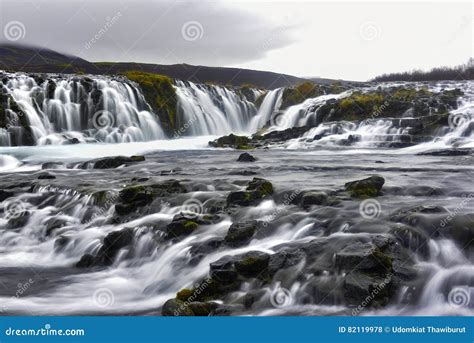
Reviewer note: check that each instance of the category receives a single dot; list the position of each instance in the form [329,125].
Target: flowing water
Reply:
[37,258]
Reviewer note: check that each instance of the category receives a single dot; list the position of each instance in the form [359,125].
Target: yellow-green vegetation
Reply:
[409,94]
[184,294]
[365,100]
[160,94]
[298,94]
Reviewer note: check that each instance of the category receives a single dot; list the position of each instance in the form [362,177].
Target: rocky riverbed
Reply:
[336,231]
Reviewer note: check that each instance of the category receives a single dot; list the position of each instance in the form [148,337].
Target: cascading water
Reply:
[66,110]
[213,110]
[270,104]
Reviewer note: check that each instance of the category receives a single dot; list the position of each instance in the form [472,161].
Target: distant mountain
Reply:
[34,59]
[18,56]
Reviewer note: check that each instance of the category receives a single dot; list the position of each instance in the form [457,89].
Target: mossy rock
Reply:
[160,94]
[365,188]
[176,307]
[256,190]
[232,141]
[184,294]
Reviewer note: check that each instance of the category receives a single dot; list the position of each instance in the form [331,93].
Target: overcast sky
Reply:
[350,40]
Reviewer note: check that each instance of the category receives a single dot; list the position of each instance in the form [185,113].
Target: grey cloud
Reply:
[148,31]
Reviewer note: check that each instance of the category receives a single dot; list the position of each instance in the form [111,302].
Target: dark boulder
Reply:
[252,263]
[365,188]
[246,157]
[309,199]
[241,233]
[46,176]
[256,190]
[175,307]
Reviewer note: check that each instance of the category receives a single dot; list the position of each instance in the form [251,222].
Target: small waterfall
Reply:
[66,110]
[212,110]
[270,103]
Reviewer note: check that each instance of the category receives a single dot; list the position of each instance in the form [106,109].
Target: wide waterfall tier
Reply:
[48,109]
[213,110]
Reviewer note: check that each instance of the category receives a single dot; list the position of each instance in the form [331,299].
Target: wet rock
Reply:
[309,199]
[256,190]
[46,176]
[448,152]
[133,197]
[180,227]
[112,162]
[365,257]
[223,269]
[365,188]
[412,239]
[112,244]
[51,165]
[246,157]
[86,261]
[175,307]
[18,220]
[202,309]
[370,290]
[411,215]
[285,259]
[61,242]
[240,233]
[54,224]
[231,141]
[5,195]
[252,263]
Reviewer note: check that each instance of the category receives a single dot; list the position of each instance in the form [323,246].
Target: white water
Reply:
[212,110]
[114,114]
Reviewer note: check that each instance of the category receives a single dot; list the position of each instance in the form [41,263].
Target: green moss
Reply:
[190,225]
[383,258]
[232,141]
[184,294]
[160,94]
[298,94]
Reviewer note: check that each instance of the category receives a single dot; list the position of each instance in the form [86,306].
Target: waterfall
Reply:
[70,109]
[212,110]
[270,103]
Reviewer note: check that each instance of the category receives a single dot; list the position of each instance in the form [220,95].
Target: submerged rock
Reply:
[256,190]
[246,157]
[365,188]
[240,233]
[46,176]
[111,162]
